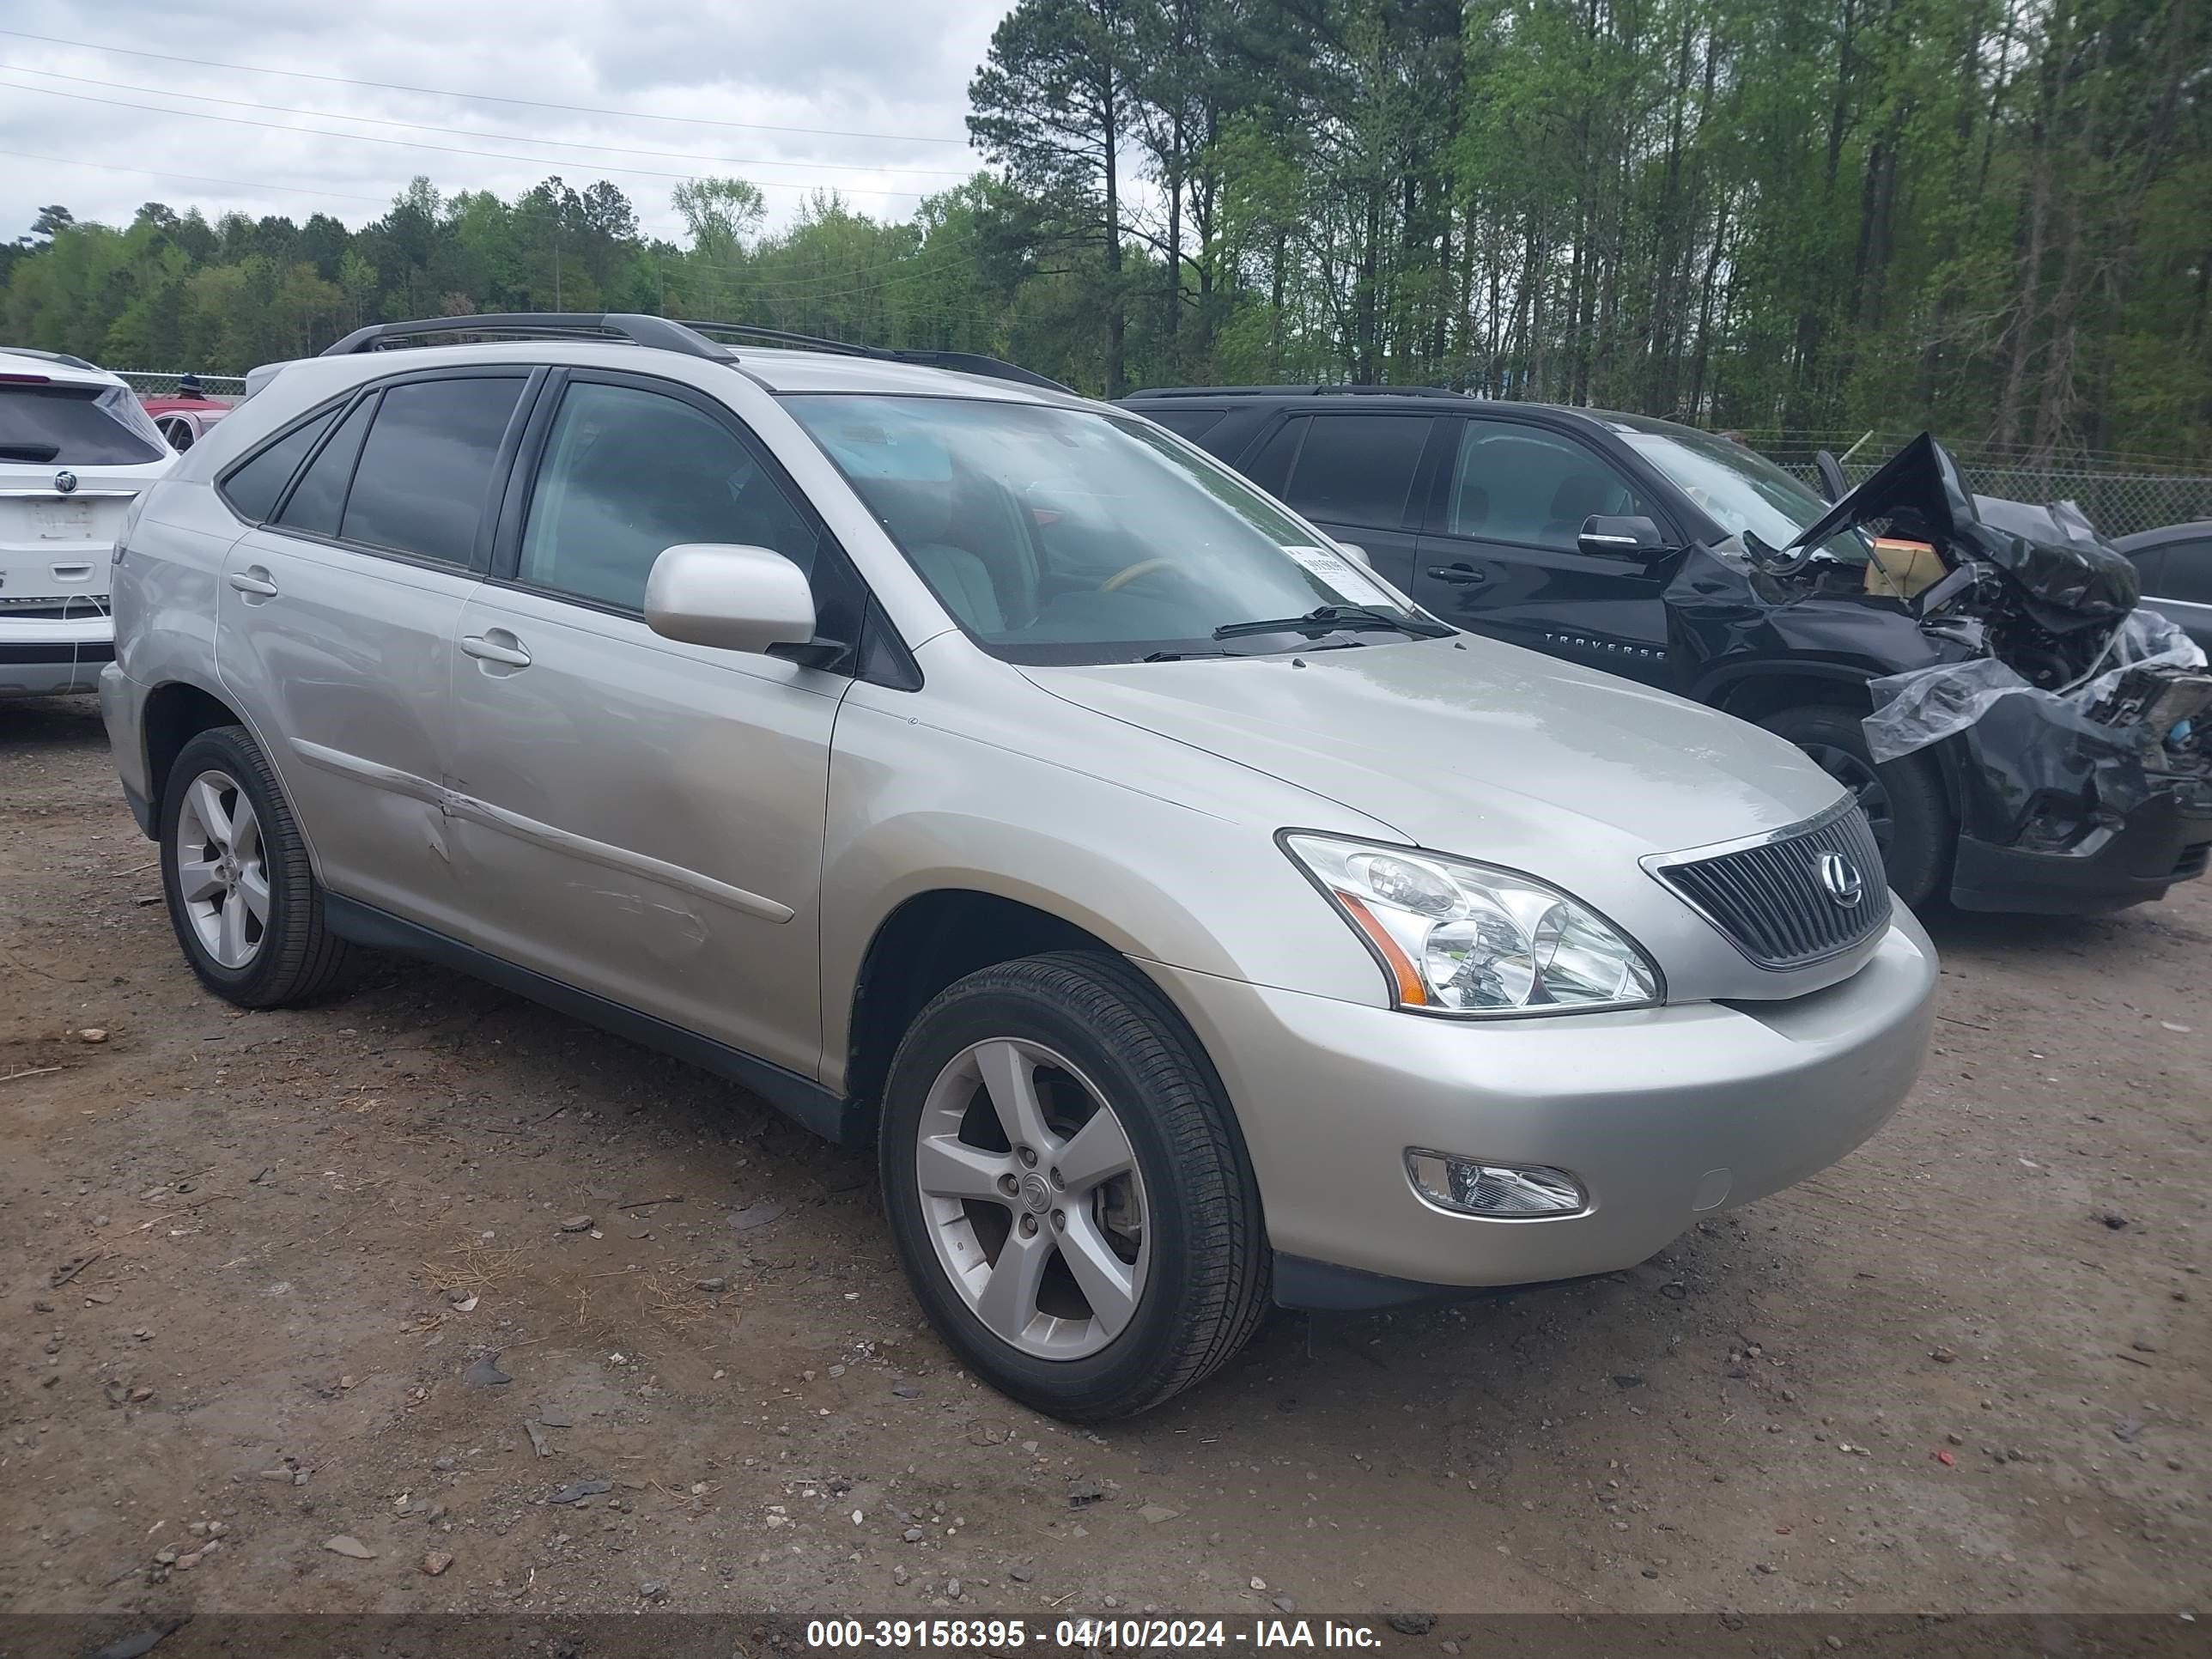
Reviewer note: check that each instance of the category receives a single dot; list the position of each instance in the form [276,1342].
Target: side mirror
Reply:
[1830,471]
[737,598]
[1356,553]
[1608,538]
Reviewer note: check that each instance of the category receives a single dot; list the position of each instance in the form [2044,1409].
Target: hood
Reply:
[1473,747]
[2056,559]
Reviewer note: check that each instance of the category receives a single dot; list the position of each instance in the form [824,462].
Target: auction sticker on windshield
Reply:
[1347,580]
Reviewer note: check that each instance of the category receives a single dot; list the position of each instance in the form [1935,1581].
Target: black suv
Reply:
[1621,541]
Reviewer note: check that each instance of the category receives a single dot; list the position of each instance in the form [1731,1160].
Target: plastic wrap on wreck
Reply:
[2083,582]
[1926,705]
[2056,521]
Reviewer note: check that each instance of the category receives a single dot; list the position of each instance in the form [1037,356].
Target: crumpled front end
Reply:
[2080,725]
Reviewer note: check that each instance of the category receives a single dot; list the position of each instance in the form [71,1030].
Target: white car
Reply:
[76,448]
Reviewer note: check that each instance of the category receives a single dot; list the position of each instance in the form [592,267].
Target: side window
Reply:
[2186,574]
[1270,468]
[629,473]
[1358,469]
[252,489]
[427,467]
[1523,484]
[1191,423]
[2150,569]
[319,499]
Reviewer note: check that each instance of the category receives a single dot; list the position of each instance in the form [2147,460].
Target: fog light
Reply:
[1502,1190]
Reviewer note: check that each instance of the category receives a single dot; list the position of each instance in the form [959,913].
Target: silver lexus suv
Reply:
[980,772]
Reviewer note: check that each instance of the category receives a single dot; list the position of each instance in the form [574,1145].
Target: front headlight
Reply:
[1461,937]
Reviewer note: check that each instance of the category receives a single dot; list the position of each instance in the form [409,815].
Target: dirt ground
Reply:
[260,1271]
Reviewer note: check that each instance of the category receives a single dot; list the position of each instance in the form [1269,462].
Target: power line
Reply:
[465,132]
[411,143]
[191,178]
[480,97]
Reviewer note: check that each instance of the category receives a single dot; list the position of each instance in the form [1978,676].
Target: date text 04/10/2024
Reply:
[1002,1635]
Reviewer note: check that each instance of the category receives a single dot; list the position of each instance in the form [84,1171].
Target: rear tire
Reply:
[1903,798]
[242,895]
[1084,1294]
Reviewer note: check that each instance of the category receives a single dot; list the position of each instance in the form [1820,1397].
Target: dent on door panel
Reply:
[642,819]
[347,664]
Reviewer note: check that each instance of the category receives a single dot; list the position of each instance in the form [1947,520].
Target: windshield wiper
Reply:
[1330,619]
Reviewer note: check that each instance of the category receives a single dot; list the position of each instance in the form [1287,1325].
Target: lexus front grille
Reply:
[1797,897]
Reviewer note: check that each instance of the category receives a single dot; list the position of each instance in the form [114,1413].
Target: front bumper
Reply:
[2164,840]
[2060,819]
[40,655]
[1662,1114]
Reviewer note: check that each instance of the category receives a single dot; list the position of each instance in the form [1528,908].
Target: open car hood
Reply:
[2058,563]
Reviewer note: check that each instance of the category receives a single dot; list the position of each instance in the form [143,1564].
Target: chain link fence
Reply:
[149,384]
[2120,494]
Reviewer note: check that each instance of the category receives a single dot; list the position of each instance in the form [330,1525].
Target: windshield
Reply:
[1741,489]
[1063,535]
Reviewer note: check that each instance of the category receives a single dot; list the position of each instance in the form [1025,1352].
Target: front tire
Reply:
[1904,799]
[242,894]
[1067,1189]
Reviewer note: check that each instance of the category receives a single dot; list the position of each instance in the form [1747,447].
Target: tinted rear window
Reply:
[1270,468]
[427,467]
[252,489]
[77,426]
[320,495]
[1191,423]
[1358,469]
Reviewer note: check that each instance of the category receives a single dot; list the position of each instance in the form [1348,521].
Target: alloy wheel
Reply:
[222,875]
[1033,1204]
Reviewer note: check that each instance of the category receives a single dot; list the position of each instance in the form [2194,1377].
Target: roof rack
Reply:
[666,334]
[961,363]
[635,326]
[61,357]
[1297,392]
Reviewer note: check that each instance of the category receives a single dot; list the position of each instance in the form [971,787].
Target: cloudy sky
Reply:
[100,109]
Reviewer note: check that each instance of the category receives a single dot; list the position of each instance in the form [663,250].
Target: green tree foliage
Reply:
[1988,216]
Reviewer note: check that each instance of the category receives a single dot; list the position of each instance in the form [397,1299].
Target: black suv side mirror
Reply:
[1830,471]
[1637,537]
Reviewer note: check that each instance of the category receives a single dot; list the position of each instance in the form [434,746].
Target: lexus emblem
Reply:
[65,483]
[1841,878]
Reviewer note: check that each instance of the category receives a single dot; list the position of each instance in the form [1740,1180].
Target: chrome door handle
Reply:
[255,581]
[1464,575]
[489,650]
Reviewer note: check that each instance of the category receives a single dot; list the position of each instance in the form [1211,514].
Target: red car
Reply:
[185,419]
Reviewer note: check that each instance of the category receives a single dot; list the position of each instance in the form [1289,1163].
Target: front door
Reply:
[337,614]
[632,816]
[1503,560]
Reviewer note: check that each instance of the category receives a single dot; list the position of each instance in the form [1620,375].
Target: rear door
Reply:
[633,816]
[1503,558]
[1354,474]
[339,612]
